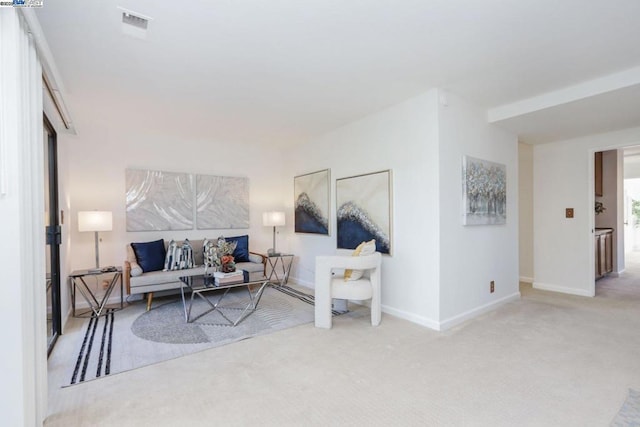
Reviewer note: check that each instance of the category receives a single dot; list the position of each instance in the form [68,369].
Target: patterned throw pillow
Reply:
[179,257]
[364,248]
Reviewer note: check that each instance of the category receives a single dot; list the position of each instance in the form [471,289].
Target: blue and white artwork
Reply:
[484,192]
[158,200]
[311,194]
[364,210]
[222,202]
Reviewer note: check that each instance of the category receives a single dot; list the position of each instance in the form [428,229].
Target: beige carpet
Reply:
[546,360]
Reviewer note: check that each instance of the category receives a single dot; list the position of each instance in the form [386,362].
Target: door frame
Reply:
[53,233]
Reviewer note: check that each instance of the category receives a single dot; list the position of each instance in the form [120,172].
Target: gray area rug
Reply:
[629,414]
[132,338]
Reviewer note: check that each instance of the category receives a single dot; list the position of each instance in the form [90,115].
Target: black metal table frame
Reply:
[96,306]
[252,305]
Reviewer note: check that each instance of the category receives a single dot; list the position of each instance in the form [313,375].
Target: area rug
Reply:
[132,338]
[629,414]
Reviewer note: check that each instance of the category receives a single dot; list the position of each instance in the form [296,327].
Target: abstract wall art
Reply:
[222,202]
[311,199]
[484,192]
[364,210]
[158,200]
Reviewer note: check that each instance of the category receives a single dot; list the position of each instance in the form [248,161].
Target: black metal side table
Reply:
[96,304]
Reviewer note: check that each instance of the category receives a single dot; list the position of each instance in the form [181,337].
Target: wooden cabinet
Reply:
[598,173]
[603,251]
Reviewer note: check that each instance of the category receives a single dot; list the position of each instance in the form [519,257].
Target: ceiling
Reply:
[285,71]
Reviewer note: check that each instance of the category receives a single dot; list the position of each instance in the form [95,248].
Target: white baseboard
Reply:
[562,289]
[297,281]
[412,317]
[526,279]
[456,320]
[425,321]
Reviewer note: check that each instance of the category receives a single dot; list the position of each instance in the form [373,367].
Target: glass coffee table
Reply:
[205,287]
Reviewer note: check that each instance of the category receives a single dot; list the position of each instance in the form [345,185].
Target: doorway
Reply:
[52,233]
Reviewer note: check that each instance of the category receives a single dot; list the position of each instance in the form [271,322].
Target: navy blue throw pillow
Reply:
[150,255]
[241,254]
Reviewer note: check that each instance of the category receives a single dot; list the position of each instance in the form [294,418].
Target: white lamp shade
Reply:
[273,219]
[95,221]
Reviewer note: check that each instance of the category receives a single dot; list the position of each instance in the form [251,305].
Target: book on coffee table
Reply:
[221,275]
[229,280]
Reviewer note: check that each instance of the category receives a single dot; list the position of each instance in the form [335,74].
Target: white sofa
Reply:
[139,282]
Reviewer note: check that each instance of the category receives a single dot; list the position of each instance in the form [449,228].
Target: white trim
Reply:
[563,289]
[50,72]
[412,317]
[300,282]
[456,320]
[526,279]
[598,86]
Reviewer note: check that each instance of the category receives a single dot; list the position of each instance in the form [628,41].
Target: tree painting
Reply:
[484,192]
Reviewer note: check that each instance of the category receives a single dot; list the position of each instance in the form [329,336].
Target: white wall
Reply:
[525,211]
[472,256]
[563,177]
[110,141]
[402,138]
[439,273]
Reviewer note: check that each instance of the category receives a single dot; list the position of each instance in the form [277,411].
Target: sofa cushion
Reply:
[241,253]
[150,255]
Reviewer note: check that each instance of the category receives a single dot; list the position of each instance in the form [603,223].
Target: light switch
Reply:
[569,213]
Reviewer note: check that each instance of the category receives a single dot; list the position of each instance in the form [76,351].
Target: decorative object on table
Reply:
[311,196]
[273,219]
[484,192]
[218,256]
[159,200]
[365,210]
[600,208]
[222,202]
[95,221]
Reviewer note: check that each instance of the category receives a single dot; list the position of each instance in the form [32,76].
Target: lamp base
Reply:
[272,252]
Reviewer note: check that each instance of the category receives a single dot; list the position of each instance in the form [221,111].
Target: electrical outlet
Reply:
[492,286]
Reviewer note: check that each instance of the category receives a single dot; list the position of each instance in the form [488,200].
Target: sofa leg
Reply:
[149,299]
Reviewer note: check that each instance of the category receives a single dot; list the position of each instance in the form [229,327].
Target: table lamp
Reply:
[273,219]
[95,221]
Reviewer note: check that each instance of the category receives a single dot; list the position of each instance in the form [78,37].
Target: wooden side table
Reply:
[96,305]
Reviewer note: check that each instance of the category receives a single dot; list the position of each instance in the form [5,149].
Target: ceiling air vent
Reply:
[136,21]
[134,24]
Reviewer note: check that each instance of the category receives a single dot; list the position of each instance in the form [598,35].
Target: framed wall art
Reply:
[222,202]
[158,200]
[484,192]
[364,210]
[311,201]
